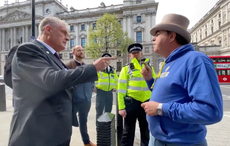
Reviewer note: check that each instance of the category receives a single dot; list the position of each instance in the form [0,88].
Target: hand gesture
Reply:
[123,113]
[146,72]
[150,107]
[94,89]
[102,63]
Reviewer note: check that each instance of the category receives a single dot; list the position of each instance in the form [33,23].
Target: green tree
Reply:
[107,34]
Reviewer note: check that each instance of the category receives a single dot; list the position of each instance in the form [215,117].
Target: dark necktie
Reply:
[56,55]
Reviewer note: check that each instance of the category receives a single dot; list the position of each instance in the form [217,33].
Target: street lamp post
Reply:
[33,17]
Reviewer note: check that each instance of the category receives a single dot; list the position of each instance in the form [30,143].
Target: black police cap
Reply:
[106,55]
[135,47]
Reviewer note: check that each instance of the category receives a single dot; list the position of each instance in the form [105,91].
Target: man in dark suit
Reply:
[42,88]
[82,95]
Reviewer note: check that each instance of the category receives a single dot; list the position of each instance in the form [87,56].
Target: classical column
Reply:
[26,33]
[11,38]
[87,31]
[131,25]
[36,31]
[3,40]
[129,28]
[14,36]
[77,34]
[153,20]
[23,34]
[222,39]
[124,23]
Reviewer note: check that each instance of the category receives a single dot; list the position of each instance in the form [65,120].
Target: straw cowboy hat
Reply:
[175,23]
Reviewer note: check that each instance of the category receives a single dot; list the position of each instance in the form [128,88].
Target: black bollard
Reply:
[2,97]
[106,130]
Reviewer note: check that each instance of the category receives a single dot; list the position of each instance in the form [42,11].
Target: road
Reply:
[225,89]
[218,134]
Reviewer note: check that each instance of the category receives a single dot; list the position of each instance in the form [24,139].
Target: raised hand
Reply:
[146,72]
[102,63]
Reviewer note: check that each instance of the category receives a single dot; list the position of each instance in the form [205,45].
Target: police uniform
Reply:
[107,81]
[132,91]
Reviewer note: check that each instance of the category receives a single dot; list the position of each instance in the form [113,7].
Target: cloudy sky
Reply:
[193,9]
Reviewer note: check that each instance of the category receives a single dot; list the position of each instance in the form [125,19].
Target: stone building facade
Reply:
[212,31]
[135,16]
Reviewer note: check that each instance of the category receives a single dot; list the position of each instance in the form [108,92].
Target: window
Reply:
[6,56]
[119,66]
[71,28]
[223,72]
[119,22]
[83,27]
[72,43]
[139,36]
[119,53]
[70,55]
[138,19]
[60,55]
[138,1]
[83,42]
[94,25]
[95,40]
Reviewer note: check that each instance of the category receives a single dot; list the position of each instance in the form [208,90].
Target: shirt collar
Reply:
[79,62]
[47,46]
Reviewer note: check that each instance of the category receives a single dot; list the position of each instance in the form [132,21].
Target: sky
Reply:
[192,9]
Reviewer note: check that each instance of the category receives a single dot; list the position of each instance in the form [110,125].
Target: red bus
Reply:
[222,66]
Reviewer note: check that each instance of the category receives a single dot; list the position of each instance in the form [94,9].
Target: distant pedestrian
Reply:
[82,95]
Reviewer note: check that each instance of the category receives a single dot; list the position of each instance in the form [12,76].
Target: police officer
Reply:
[132,91]
[106,84]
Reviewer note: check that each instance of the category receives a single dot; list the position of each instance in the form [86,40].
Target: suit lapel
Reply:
[49,54]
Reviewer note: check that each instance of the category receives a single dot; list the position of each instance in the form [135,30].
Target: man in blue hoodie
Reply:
[186,94]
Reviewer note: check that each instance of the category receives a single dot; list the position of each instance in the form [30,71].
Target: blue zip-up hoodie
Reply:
[189,90]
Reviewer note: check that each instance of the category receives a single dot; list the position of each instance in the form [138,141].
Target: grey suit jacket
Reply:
[42,97]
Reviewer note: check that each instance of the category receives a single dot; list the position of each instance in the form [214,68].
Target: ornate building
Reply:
[212,31]
[135,16]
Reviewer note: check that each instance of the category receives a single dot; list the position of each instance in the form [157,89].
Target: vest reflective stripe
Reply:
[137,79]
[122,81]
[138,88]
[121,91]
[146,89]
[105,83]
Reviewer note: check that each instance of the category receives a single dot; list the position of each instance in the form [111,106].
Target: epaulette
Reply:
[126,64]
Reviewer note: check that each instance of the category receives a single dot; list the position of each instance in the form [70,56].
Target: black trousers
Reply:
[104,102]
[82,108]
[67,143]
[134,112]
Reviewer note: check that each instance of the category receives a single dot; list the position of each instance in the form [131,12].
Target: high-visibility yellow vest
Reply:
[107,81]
[132,84]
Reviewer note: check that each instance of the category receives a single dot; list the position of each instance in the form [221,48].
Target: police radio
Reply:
[131,65]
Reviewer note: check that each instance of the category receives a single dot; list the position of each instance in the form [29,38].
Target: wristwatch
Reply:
[159,110]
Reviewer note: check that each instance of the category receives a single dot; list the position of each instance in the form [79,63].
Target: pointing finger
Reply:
[109,58]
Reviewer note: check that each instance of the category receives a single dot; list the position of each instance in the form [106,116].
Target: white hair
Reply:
[52,21]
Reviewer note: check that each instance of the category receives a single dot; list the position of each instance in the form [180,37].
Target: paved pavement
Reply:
[218,134]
